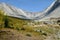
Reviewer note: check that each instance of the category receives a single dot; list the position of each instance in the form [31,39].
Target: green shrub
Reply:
[44,34]
[22,28]
[6,22]
[18,28]
[29,35]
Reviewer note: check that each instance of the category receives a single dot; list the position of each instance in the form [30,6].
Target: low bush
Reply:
[22,28]
[44,34]
[29,35]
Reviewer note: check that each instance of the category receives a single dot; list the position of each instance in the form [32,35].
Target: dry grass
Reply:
[21,26]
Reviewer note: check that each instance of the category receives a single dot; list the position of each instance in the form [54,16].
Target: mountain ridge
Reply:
[19,13]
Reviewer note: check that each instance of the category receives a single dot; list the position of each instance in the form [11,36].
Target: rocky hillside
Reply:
[12,28]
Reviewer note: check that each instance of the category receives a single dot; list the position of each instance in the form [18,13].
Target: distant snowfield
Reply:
[52,11]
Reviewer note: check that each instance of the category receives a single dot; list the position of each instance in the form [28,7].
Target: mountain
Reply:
[13,11]
[53,11]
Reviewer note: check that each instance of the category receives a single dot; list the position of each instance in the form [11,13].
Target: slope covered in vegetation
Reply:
[29,28]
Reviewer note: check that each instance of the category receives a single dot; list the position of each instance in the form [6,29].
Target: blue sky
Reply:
[30,5]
